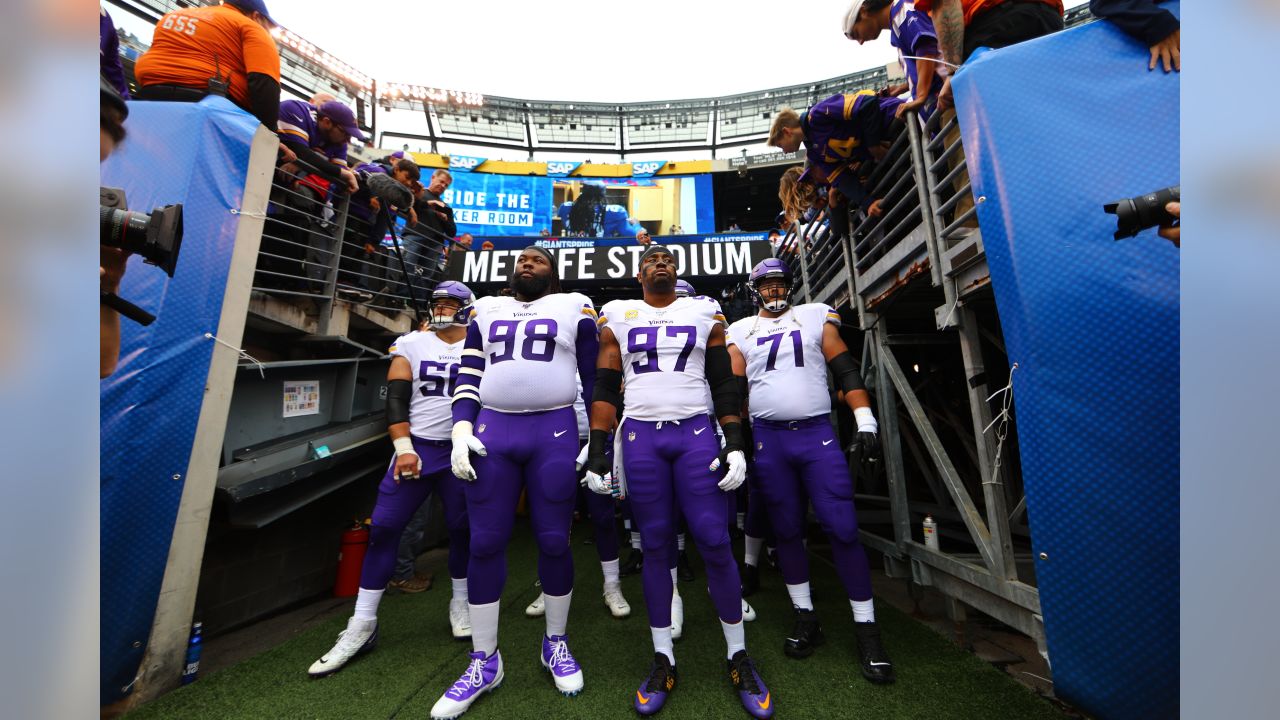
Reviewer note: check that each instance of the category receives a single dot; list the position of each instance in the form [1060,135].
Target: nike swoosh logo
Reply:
[698,431]
[643,700]
[560,433]
[827,442]
[764,704]
[876,664]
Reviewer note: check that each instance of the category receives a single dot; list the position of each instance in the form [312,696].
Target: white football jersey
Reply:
[530,350]
[435,371]
[664,353]
[786,372]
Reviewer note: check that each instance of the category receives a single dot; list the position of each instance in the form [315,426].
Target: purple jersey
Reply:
[298,120]
[838,131]
[911,31]
[109,54]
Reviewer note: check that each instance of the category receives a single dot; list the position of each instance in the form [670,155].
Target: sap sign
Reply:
[465,163]
[561,169]
[648,168]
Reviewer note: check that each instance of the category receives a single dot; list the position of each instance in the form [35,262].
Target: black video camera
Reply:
[1135,214]
[156,237]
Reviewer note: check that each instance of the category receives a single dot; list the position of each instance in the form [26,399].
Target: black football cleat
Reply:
[750,580]
[876,665]
[806,635]
[684,570]
[633,565]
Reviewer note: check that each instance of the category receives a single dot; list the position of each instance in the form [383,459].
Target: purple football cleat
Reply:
[557,659]
[653,693]
[750,686]
[483,674]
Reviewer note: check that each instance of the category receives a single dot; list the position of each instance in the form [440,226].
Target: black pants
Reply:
[1009,23]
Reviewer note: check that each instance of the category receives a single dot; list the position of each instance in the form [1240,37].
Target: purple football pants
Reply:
[666,466]
[396,504]
[601,511]
[533,451]
[805,455]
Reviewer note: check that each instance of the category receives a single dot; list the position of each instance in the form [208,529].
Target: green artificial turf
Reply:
[417,660]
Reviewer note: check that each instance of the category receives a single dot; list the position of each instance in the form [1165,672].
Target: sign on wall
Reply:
[614,262]
[485,204]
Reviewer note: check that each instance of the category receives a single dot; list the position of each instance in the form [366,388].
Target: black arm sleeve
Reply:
[608,387]
[449,226]
[848,378]
[724,388]
[1141,19]
[398,393]
[264,99]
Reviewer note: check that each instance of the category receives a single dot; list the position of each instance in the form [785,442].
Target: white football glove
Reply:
[581,462]
[737,472]
[599,484]
[465,443]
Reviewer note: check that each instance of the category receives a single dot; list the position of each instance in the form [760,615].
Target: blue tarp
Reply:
[1053,129]
[197,155]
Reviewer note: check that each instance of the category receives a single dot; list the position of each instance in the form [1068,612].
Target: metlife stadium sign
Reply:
[604,263]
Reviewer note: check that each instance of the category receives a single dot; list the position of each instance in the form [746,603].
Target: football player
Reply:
[513,409]
[670,349]
[424,367]
[782,354]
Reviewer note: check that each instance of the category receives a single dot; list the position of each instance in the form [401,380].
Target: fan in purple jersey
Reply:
[911,31]
[423,364]
[842,135]
[669,349]
[522,361]
[782,355]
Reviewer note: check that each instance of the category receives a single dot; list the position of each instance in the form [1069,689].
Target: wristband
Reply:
[866,420]
[403,446]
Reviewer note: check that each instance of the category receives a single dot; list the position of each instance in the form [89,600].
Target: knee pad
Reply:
[553,544]
[488,543]
[657,540]
[381,534]
[843,531]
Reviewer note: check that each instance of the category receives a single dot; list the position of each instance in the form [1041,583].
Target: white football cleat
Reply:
[613,599]
[538,607]
[360,637]
[460,619]
[748,612]
[677,614]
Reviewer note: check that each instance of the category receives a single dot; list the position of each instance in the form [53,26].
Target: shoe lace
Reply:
[473,677]
[348,641]
[560,657]
[747,675]
[657,681]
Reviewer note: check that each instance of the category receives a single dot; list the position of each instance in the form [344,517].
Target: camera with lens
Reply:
[156,237]
[1135,214]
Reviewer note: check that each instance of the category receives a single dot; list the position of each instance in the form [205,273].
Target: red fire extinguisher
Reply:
[355,541]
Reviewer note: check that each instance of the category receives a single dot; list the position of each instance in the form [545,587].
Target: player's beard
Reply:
[530,287]
[662,285]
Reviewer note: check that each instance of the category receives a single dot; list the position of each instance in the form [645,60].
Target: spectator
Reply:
[733,227]
[486,245]
[677,230]
[109,54]
[223,49]
[382,186]
[775,241]
[642,237]
[432,210]
[1153,26]
[321,98]
[843,136]
[320,134]
[464,241]
[544,232]
[911,31]
[966,25]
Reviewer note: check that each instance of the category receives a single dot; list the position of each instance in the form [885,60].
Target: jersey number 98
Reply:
[539,342]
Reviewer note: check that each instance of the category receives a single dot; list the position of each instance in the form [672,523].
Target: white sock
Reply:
[863,610]
[367,603]
[610,570]
[735,637]
[680,542]
[673,576]
[557,613]
[635,539]
[662,642]
[459,589]
[751,551]
[484,627]
[800,596]
[742,520]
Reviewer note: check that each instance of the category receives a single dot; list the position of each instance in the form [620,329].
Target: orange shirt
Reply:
[973,7]
[194,44]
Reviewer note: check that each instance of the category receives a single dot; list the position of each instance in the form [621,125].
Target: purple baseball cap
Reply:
[342,116]
[257,6]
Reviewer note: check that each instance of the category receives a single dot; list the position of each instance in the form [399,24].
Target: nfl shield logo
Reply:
[760,445]
[631,437]
[481,427]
